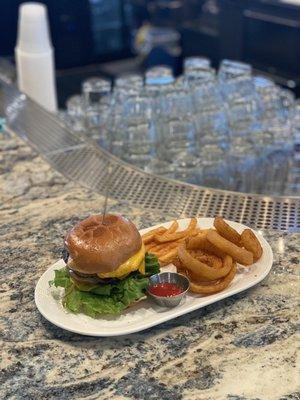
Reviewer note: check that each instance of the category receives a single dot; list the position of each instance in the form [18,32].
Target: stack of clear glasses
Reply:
[225,129]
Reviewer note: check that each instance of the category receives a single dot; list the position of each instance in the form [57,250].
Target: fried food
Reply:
[168,257]
[209,259]
[200,242]
[227,231]
[200,256]
[240,255]
[164,242]
[251,243]
[164,246]
[201,269]
[150,246]
[211,287]
[168,237]
[148,237]
[173,228]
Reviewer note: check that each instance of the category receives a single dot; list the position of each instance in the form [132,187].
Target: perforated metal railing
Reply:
[87,164]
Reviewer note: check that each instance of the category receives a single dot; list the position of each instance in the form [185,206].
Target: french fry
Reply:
[148,237]
[192,224]
[150,246]
[175,236]
[169,237]
[165,246]
[173,228]
[194,232]
[169,256]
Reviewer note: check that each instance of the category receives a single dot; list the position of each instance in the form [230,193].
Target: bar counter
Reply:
[241,348]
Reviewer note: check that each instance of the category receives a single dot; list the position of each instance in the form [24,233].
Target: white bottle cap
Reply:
[33,29]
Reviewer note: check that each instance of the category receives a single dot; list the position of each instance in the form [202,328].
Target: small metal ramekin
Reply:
[169,277]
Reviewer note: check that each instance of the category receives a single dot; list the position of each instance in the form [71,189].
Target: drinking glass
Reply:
[138,142]
[76,113]
[174,126]
[157,81]
[276,171]
[241,159]
[125,86]
[295,126]
[186,168]
[64,118]
[268,95]
[287,99]
[235,80]
[293,178]
[97,96]
[159,75]
[282,134]
[212,128]
[196,69]
[96,90]
[213,167]
[206,94]
[242,114]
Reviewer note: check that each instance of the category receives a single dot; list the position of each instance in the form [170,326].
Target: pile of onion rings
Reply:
[210,258]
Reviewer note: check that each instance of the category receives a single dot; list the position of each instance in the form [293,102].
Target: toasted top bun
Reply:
[97,247]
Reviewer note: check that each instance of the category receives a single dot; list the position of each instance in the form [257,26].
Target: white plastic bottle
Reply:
[34,56]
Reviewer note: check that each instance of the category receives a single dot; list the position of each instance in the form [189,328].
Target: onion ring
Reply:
[213,287]
[201,269]
[251,243]
[211,260]
[200,242]
[227,231]
[240,255]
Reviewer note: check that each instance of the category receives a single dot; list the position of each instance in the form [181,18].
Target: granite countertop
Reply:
[241,348]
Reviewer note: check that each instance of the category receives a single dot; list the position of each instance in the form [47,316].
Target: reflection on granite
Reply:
[242,348]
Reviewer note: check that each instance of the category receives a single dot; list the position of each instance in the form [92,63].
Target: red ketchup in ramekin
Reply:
[165,289]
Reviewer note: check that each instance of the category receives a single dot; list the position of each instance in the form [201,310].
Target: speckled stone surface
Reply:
[242,348]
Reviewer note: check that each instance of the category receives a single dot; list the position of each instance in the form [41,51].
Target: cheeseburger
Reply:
[107,268]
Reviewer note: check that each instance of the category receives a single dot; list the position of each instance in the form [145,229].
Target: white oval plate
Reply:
[144,314]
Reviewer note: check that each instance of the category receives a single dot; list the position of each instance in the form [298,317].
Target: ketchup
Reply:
[165,289]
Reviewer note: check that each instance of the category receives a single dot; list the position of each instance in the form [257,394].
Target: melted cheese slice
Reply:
[134,263]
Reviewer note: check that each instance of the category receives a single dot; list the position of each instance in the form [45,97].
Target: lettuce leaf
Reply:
[151,264]
[61,278]
[90,303]
[111,298]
